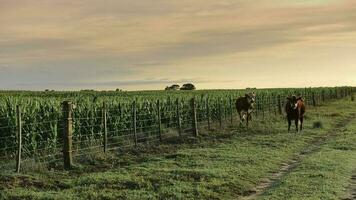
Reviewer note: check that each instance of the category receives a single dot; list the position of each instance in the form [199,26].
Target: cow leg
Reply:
[301,123]
[296,124]
[289,124]
[240,117]
[247,119]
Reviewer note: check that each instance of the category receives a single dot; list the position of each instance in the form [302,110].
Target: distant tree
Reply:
[118,90]
[173,87]
[188,86]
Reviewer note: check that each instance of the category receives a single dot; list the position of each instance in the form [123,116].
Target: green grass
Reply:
[323,175]
[218,165]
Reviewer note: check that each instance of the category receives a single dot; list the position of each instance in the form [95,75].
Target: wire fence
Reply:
[70,134]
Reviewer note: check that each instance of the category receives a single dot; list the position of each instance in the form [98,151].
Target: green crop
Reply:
[43,123]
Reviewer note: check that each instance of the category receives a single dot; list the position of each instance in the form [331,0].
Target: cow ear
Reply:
[288,98]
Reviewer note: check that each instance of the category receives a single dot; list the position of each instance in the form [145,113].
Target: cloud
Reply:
[126,40]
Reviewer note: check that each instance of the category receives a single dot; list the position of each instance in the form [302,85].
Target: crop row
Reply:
[42,117]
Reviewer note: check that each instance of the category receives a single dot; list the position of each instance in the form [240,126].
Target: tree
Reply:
[188,86]
[173,87]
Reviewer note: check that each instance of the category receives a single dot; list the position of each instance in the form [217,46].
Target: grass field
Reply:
[223,164]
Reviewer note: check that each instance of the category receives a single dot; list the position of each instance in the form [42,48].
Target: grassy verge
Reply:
[324,174]
[222,165]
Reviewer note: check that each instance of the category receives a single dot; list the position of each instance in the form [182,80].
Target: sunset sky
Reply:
[148,44]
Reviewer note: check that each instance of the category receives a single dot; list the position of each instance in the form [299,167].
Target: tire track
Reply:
[351,190]
[287,167]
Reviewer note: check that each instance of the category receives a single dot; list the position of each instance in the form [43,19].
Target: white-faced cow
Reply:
[295,109]
[244,106]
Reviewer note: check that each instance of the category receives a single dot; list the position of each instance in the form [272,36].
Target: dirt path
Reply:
[351,190]
[289,166]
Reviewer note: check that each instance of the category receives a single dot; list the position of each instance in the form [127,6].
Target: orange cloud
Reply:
[217,40]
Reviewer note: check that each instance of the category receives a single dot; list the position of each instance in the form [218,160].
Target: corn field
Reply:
[126,118]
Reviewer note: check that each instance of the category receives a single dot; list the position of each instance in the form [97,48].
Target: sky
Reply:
[149,44]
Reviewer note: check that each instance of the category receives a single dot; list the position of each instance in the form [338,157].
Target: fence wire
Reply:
[44,138]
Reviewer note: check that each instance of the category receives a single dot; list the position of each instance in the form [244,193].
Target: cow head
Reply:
[299,97]
[251,98]
[292,102]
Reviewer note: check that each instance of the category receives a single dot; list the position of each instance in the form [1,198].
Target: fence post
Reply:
[257,107]
[269,104]
[274,104]
[120,110]
[279,104]
[19,139]
[220,117]
[208,111]
[134,121]
[350,93]
[105,126]
[67,134]
[195,122]
[231,111]
[179,119]
[159,120]
[224,108]
[352,96]
[313,99]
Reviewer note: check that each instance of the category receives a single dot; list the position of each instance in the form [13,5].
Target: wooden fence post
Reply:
[220,114]
[159,120]
[105,126]
[231,111]
[120,110]
[274,104]
[208,111]
[19,139]
[352,96]
[257,107]
[195,122]
[323,96]
[67,134]
[269,104]
[279,105]
[134,121]
[313,99]
[224,108]
[179,121]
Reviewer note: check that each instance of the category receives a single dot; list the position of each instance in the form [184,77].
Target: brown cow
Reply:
[295,109]
[244,106]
